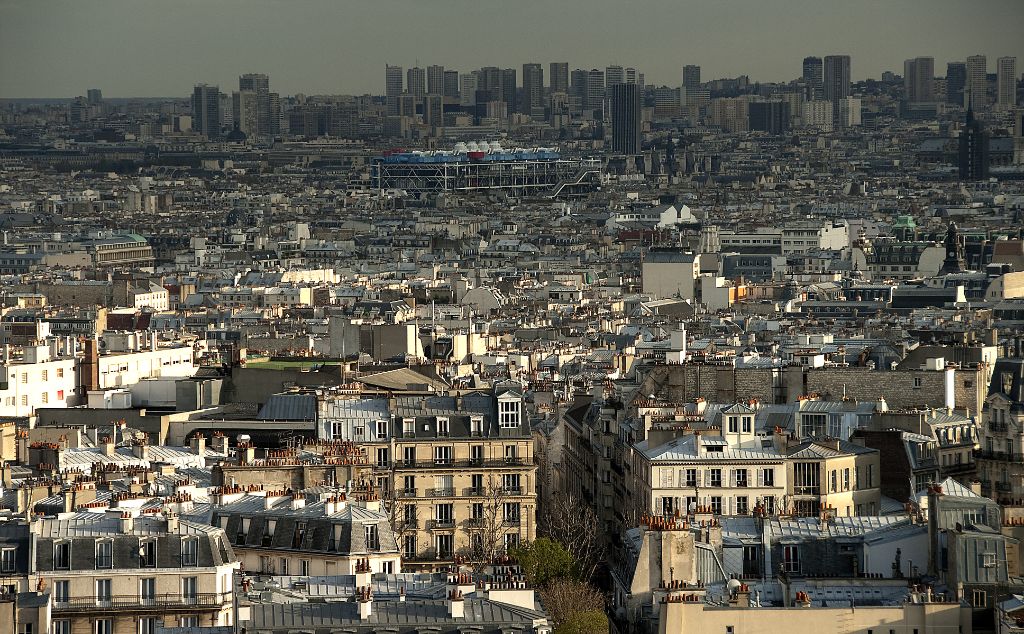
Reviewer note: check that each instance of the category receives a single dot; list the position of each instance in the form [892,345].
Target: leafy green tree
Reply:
[590,622]
[545,560]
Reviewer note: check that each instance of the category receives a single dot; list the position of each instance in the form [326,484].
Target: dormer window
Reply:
[508,414]
[476,426]
[442,427]
[382,429]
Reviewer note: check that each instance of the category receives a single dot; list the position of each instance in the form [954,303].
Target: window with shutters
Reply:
[147,590]
[190,551]
[691,477]
[147,553]
[666,478]
[741,477]
[715,478]
[716,504]
[61,590]
[372,540]
[104,554]
[791,559]
[8,557]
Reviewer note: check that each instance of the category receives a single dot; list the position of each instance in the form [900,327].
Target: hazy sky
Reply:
[59,48]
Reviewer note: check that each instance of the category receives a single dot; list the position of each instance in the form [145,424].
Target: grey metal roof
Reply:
[289,407]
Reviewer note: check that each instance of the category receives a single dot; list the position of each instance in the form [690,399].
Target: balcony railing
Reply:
[462,463]
[440,493]
[1003,486]
[1003,456]
[406,493]
[133,603]
[807,490]
[443,523]
[473,491]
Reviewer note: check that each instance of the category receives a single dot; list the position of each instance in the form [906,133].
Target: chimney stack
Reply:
[108,446]
[456,605]
[364,596]
[199,444]
[172,522]
[127,522]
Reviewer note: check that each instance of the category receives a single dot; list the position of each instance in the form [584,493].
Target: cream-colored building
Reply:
[686,610]
[281,533]
[121,572]
[457,472]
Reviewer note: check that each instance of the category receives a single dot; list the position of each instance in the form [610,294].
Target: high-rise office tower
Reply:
[625,106]
[533,90]
[392,87]
[416,81]
[451,83]
[836,82]
[206,110]
[94,96]
[489,82]
[508,89]
[771,116]
[691,76]
[614,75]
[595,92]
[956,81]
[435,79]
[559,76]
[578,87]
[919,79]
[468,86]
[245,112]
[259,84]
[974,147]
[433,110]
[631,76]
[1006,83]
[812,76]
[275,113]
[976,88]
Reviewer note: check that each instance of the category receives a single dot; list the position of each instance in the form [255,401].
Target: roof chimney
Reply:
[364,596]
[172,522]
[127,522]
[456,605]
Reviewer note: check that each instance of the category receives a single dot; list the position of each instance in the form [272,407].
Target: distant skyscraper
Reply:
[433,110]
[559,76]
[578,87]
[533,90]
[451,83]
[614,75]
[631,76]
[206,110]
[973,153]
[435,79]
[508,88]
[489,80]
[836,82]
[691,76]
[595,92]
[625,106]
[919,79]
[956,81]
[416,81]
[770,116]
[812,76]
[95,96]
[258,84]
[976,88]
[1006,83]
[468,86]
[245,112]
[392,87]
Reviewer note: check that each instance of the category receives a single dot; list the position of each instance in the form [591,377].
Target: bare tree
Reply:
[490,524]
[575,525]
[565,598]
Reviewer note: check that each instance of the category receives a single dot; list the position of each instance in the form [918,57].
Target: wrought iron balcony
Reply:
[134,603]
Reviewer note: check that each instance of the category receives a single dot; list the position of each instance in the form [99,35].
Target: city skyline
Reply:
[59,49]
